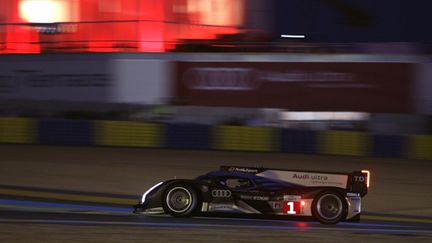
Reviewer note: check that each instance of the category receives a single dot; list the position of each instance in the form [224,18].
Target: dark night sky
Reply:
[356,20]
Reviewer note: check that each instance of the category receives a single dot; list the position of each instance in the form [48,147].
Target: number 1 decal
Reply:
[291,208]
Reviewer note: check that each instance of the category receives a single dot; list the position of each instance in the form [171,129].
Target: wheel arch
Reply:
[312,192]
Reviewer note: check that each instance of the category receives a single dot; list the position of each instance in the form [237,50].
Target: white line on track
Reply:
[213,226]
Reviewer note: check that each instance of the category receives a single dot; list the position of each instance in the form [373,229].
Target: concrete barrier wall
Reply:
[193,136]
[187,136]
[298,141]
[242,138]
[18,130]
[392,146]
[343,143]
[419,147]
[128,134]
[65,132]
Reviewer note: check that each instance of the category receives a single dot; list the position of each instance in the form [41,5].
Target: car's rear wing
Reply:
[356,182]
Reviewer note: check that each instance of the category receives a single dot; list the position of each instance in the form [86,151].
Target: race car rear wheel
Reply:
[329,207]
[180,200]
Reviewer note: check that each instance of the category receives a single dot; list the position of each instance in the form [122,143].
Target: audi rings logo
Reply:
[214,78]
[221,193]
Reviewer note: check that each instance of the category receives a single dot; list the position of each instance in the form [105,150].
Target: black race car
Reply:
[327,197]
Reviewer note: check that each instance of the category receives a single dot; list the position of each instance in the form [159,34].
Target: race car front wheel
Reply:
[329,207]
[180,200]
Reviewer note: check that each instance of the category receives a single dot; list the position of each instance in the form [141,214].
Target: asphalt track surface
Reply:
[30,212]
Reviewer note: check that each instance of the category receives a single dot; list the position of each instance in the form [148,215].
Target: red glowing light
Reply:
[302,203]
[116,25]
[301,224]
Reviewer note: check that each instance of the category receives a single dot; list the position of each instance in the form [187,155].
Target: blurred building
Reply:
[349,21]
[34,26]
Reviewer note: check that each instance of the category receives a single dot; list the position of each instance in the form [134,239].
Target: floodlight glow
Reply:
[44,11]
[294,36]
[322,115]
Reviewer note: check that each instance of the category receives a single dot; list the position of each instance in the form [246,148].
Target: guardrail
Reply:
[204,137]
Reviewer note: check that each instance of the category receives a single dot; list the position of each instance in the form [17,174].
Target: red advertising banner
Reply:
[303,86]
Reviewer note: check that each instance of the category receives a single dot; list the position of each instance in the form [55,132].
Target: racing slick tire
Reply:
[180,200]
[329,207]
